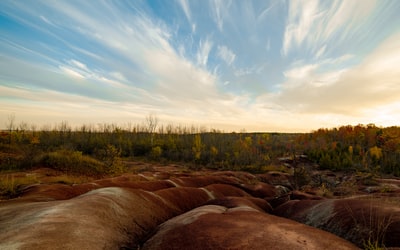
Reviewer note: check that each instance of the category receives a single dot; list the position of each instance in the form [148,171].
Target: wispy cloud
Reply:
[205,47]
[46,20]
[71,72]
[265,12]
[312,23]
[255,69]
[372,84]
[219,11]
[320,52]
[185,7]
[301,17]
[226,54]
[300,72]
[174,81]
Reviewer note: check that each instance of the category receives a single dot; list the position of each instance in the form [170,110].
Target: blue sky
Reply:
[230,65]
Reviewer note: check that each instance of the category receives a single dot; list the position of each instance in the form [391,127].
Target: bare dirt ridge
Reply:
[165,207]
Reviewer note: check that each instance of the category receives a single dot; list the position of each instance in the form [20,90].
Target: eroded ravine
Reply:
[220,210]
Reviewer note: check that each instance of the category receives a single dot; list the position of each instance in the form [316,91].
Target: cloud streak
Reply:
[313,23]
[185,7]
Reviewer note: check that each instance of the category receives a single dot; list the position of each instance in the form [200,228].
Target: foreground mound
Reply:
[114,213]
[242,227]
[203,210]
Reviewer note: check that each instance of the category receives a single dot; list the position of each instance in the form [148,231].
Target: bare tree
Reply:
[10,125]
[23,126]
[152,123]
[10,122]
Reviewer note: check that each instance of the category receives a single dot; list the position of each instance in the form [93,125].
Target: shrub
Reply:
[10,157]
[324,191]
[301,177]
[156,153]
[110,157]
[72,162]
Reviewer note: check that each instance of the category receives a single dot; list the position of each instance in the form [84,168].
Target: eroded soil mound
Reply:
[204,209]
[240,227]
[360,219]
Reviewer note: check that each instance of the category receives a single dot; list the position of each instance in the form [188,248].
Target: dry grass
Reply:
[373,225]
[275,168]
[10,184]
[67,179]
[323,191]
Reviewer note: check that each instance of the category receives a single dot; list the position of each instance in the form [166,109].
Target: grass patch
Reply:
[68,179]
[372,245]
[323,191]
[276,168]
[10,184]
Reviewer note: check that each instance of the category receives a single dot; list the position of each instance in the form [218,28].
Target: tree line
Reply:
[101,148]
[149,141]
[358,148]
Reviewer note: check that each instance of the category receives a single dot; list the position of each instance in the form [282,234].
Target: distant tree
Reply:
[10,125]
[197,147]
[10,122]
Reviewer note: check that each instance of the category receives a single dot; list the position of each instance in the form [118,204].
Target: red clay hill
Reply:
[167,208]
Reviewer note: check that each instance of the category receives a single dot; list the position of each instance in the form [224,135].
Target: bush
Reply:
[301,177]
[110,157]
[156,153]
[72,162]
[10,157]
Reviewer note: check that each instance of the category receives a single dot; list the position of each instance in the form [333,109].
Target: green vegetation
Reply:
[72,161]
[98,150]
[10,184]
[356,148]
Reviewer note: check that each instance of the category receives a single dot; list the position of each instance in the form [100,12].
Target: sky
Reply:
[285,66]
